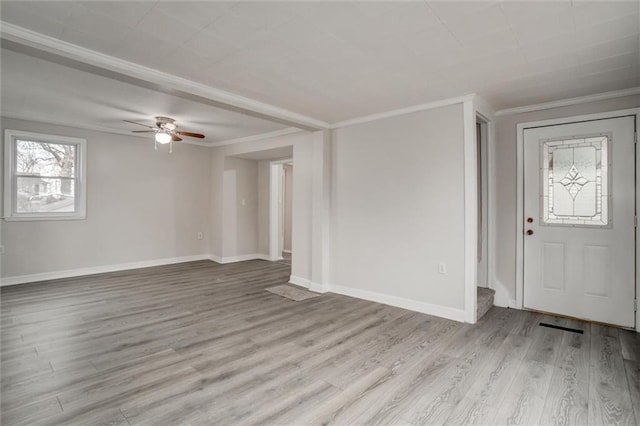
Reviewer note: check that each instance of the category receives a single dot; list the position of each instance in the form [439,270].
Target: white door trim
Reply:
[470,213]
[521,127]
[276,229]
[472,108]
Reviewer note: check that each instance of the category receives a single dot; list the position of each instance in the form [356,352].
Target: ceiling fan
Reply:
[166,131]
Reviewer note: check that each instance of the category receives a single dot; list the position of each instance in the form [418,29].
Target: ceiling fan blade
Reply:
[191,134]
[175,137]
[143,131]
[139,124]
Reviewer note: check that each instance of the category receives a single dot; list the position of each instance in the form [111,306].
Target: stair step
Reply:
[485,301]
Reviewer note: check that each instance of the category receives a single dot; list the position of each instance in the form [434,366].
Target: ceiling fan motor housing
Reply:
[166,123]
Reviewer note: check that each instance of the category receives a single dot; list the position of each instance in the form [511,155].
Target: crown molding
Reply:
[261,136]
[403,111]
[47,120]
[570,101]
[26,41]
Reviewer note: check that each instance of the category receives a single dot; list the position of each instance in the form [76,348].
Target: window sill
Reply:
[42,218]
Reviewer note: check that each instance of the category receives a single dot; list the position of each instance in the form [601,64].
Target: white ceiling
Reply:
[268,154]
[44,91]
[334,61]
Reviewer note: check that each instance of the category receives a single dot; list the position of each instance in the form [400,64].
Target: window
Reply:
[575,182]
[44,177]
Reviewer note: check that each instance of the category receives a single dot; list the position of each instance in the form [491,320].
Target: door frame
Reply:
[485,229]
[521,127]
[276,208]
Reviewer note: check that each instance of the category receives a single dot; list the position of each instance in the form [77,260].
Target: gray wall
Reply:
[141,205]
[240,207]
[288,205]
[301,216]
[398,206]
[264,199]
[230,233]
[504,175]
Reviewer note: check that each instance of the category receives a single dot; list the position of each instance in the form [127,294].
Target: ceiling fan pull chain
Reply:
[155,144]
[171,147]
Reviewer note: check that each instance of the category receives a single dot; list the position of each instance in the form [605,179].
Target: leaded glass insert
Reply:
[575,181]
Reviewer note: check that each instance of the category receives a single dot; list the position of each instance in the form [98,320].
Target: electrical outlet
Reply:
[442,268]
[200,235]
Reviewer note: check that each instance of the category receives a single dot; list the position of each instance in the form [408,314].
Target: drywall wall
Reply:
[240,207]
[398,207]
[142,205]
[264,192]
[504,171]
[221,214]
[216,179]
[301,216]
[288,206]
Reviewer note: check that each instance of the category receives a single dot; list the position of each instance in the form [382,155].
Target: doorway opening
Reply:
[483,202]
[281,210]
[485,295]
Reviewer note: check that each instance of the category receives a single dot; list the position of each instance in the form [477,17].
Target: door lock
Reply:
[529,220]
[529,232]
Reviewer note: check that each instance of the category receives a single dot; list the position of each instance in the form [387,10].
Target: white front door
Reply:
[579,220]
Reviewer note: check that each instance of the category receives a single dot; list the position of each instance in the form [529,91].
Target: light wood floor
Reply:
[205,344]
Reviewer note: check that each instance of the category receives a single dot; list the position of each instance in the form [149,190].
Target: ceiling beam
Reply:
[34,44]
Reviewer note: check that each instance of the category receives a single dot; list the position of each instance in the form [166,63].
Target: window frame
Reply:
[10,176]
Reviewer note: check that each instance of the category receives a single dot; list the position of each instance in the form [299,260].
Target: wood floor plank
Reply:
[32,412]
[632,368]
[480,404]
[609,399]
[201,343]
[630,341]
[327,411]
[567,399]
[524,401]
[545,346]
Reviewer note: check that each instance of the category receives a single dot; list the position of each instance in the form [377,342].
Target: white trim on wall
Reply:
[521,127]
[299,281]
[401,302]
[276,208]
[261,136]
[470,212]
[402,111]
[22,279]
[484,110]
[637,207]
[570,101]
[240,258]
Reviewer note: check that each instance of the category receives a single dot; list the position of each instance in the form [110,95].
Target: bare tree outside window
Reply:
[45,177]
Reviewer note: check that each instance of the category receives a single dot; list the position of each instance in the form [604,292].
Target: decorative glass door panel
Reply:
[575,182]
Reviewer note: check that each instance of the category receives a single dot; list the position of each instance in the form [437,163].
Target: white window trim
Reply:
[9,176]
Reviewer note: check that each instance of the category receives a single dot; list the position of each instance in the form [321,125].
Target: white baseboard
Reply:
[400,302]
[241,258]
[501,297]
[302,282]
[319,288]
[22,279]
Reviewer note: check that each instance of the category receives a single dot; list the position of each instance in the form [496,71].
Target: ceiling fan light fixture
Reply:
[163,137]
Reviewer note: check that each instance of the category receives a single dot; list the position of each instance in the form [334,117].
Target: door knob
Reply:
[529,232]
[529,220]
